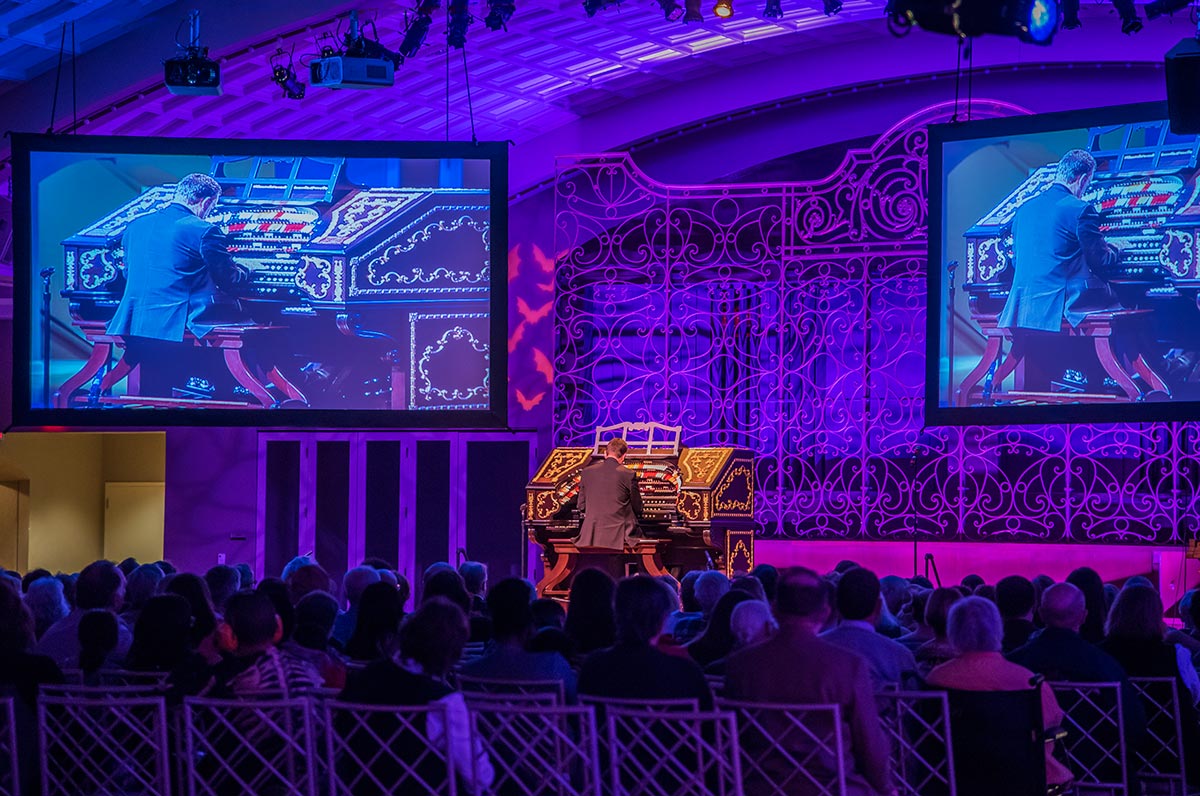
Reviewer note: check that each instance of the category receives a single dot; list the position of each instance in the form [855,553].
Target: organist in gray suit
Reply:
[610,501]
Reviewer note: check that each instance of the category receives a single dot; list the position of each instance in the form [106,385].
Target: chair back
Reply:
[9,766]
[373,750]
[790,749]
[917,724]
[540,750]
[492,685]
[263,746]
[95,745]
[123,677]
[998,744]
[657,752]
[716,683]
[1160,757]
[1095,742]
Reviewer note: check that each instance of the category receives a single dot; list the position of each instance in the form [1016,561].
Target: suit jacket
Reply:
[611,504]
[1057,247]
[797,667]
[174,263]
[890,662]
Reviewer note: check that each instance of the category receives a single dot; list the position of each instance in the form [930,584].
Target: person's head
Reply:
[448,585]
[916,608]
[895,592]
[752,622]
[1136,615]
[46,602]
[474,575]
[591,623]
[356,581]
[768,576]
[280,596]
[710,587]
[100,585]
[245,575]
[974,625]
[750,585]
[858,595]
[508,604]
[16,623]
[1192,611]
[800,596]
[375,562]
[1063,607]
[669,580]
[315,614]
[1138,580]
[308,578]
[433,569]
[223,582]
[845,565]
[687,592]
[1075,171]
[97,638]
[921,582]
[198,193]
[718,634]
[548,613]
[987,591]
[1088,581]
[167,567]
[142,584]
[250,624]
[127,566]
[293,565]
[616,449]
[193,589]
[642,607]
[31,576]
[973,582]
[1110,595]
[434,635]
[68,583]
[1015,597]
[161,635]
[379,615]
[937,610]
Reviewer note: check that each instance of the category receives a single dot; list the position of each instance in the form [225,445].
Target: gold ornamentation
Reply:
[559,462]
[691,506]
[363,213]
[733,505]
[701,465]
[545,505]
[1183,243]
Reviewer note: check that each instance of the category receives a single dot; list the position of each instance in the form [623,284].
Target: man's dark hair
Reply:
[687,592]
[251,615]
[16,622]
[508,603]
[1075,164]
[857,594]
[768,575]
[98,585]
[937,609]
[31,576]
[196,187]
[245,575]
[642,607]
[1015,597]
[844,566]
[97,638]
[434,635]
[474,575]
[448,584]
[922,581]
[548,613]
[616,447]
[973,582]
[128,565]
[799,593]
[167,567]
[374,562]
[223,582]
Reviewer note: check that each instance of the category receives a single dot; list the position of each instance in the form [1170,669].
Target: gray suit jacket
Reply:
[1057,245]
[174,263]
[611,504]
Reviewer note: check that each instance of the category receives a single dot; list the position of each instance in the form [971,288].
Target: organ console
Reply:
[697,503]
[1146,191]
[366,294]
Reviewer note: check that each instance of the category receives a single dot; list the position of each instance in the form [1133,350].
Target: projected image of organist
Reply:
[609,501]
[176,264]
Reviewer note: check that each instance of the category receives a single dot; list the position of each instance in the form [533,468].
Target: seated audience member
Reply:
[162,642]
[921,632]
[816,672]
[896,596]
[68,583]
[921,582]
[280,595]
[128,566]
[750,585]
[167,567]
[859,603]
[204,619]
[508,604]
[379,615]
[449,585]
[46,602]
[307,579]
[474,576]
[21,671]
[97,642]
[143,583]
[688,609]
[1138,580]
[710,587]
[413,673]
[1088,581]
[634,668]
[248,634]
[591,624]
[976,631]
[1110,595]
[245,575]
[100,585]
[1188,637]
[31,576]
[717,639]
[290,567]
[750,623]
[986,591]
[1016,598]
[354,583]
[315,614]
[768,576]
[549,619]
[1040,584]
[973,582]
[939,650]
[223,582]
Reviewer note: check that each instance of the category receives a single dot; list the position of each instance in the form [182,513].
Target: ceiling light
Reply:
[499,13]
[283,74]
[1157,8]
[418,29]
[773,9]
[1129,18]
[832,7]
[456,26]
[671,9]
[1070,9]
[692,11]
[723,9]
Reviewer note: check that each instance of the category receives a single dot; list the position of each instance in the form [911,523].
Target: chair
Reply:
[1160,758]
[998,742]
[540,750]
[490,685]
[790,749]
[9,766]
[716,682]
[373,750]
[1095,739]
[237,746]
[101,744]
[122,677]
[657,752]
[918,725]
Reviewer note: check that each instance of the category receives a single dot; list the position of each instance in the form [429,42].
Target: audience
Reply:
[354,583]
[97,642]
[752,586]
[46,601]
[21,671]
[1016,598]
[859,603]
[474,576]
[938,650]
[921,632]
[591,624]
[142,584]
[717,639]
[204,619]
[249,633]
[315,614]
[223,582]
[687,608]
[281,597]
[1088,581]
[709,588]
[162,642]
[549,621]
[750,623]
[379,614]
[306,579]
[100,585]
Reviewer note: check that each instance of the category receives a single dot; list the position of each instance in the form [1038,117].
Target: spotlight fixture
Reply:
[1157,8]
[192,72]
[832,7]
[1070,20]
[283,74]
[456,26]
[499,13]
[671,9]
[361,63]
[592,7]
[1130,23]
[773,9]
[723,9]
[418,29]
[692,11]
[1032,21]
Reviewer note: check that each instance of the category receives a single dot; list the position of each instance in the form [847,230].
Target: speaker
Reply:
[1183,87]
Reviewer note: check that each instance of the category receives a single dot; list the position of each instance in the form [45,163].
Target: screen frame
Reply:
[936,283]
[25,145]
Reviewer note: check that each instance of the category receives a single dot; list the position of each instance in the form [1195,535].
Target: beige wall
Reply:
[66,474]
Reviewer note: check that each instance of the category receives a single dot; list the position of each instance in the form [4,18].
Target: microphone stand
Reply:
[47,274]
[951,267]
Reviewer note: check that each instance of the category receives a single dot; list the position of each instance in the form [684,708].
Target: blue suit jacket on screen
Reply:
[174,263]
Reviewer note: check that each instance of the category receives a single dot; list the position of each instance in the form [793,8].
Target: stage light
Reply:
[773,9]
[1033,21]
[456,27]
[723,9]
[1157,8]
[499,13]
[1038,21]
[1070,10]
[692,11]
[283,74]
[192,72]
[591,7]
[1130,23]
[832,7]
[672,11]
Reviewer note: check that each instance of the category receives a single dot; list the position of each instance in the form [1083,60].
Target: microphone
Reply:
[46,273]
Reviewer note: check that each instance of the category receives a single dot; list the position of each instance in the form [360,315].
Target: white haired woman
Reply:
[976,631]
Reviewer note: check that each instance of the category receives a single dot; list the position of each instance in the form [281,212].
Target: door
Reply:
[133,520]
[14,521]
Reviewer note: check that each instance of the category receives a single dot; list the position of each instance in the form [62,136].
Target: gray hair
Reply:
[710,587]
[1074,165]
[195,188]
[1063,606]
[974,625]
[46,601]
[752,622]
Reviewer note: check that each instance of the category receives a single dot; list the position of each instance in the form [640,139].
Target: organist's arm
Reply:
[1099,254]
[214,250]
[635,496]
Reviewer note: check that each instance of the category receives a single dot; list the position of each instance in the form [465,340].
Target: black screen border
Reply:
[24,145]
[935,415]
